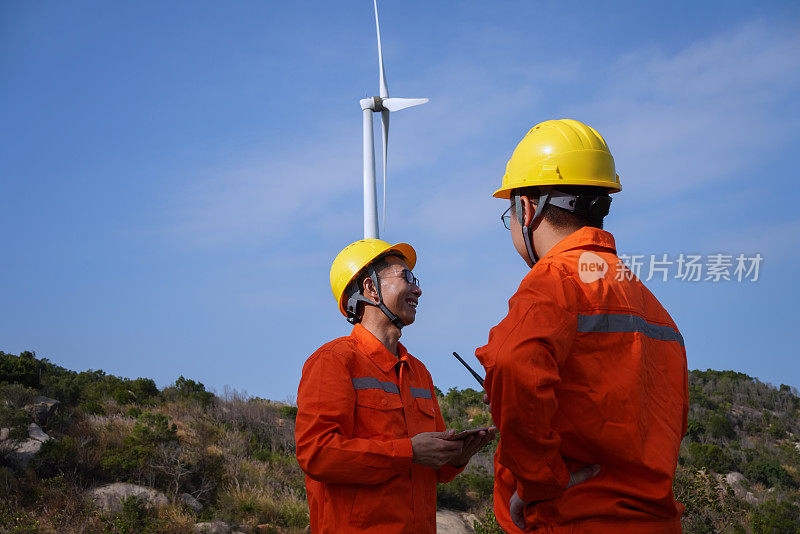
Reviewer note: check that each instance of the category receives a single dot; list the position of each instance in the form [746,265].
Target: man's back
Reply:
[587,368]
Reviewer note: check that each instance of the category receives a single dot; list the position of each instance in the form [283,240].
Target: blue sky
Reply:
[176,178]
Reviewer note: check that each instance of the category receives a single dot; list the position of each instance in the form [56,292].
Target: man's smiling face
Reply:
[398,294]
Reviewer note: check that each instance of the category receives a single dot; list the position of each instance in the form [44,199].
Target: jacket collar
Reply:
[583,238]
[374,349]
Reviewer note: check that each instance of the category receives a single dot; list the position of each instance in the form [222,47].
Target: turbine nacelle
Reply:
[376,103]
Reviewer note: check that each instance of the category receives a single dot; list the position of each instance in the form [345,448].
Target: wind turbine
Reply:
[384,105]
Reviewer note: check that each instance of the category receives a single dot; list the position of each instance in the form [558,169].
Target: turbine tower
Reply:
[384,105]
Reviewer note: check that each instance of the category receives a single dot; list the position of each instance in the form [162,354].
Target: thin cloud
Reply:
[676,122]
[260,199]
[682,121]
[774,241]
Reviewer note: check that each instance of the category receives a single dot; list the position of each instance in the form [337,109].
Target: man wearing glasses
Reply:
[587,373]
[369,433]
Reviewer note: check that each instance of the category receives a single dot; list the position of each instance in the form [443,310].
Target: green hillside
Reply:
[231,457]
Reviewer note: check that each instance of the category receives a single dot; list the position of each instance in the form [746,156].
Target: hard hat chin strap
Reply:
[356,297]
[544,198]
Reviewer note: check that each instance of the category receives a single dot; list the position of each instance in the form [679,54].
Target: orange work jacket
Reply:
[358,405]
[587,367]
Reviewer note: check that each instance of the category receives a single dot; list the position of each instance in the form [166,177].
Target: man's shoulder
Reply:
[343,348]
[602,281]
[417,363]
[549,280]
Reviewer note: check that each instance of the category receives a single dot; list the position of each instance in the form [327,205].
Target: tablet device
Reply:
[465,433]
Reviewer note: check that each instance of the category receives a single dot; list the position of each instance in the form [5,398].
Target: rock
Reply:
[452,522]
[734,478]
[35,432]
[24,452]
[214,527]
[110,496]
[41,409]
[751,499]
[191,502]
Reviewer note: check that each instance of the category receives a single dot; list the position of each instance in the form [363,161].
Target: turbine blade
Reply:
[396,104]
[385,128]
[384,87]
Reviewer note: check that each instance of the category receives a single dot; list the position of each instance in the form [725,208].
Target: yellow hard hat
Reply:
[560,152]
[352,260]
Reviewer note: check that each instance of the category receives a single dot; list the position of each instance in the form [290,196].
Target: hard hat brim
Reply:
[505,192]
[407,251]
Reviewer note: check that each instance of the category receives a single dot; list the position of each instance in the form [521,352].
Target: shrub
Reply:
[769,472]
[710,456]
[258,420]
[92,407]
[64,508]
[16,395]
[190,389]
[777,430]
[468,491]
[131,459]
[144,389]
[289,412]
[695,429]
[17,420]
[487,523]
[774,517]
[257,505]
[24,369]
[153,428]
[135,517]
[54,457]
[720,427]
[17,521]
[697,397]
[13,397]
[709,507]
[268,456]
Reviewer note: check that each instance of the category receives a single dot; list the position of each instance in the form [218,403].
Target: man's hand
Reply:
[471,445]
[517,509]
[432,449]
[517,505]
[582,475]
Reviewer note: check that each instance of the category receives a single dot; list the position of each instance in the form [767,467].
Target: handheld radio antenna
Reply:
[476,375]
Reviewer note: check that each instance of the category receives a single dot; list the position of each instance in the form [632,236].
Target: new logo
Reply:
[591,267]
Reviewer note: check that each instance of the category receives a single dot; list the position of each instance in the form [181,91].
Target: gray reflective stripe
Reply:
[421,393]
[613,322]
[369,382]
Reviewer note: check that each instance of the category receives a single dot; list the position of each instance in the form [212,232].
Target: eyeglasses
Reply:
[506,218]
[408,275]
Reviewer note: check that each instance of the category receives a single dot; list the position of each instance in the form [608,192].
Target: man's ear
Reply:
[528,209]
[369,289]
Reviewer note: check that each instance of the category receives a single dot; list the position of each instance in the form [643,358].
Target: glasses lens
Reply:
[410,278]
[506,218]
